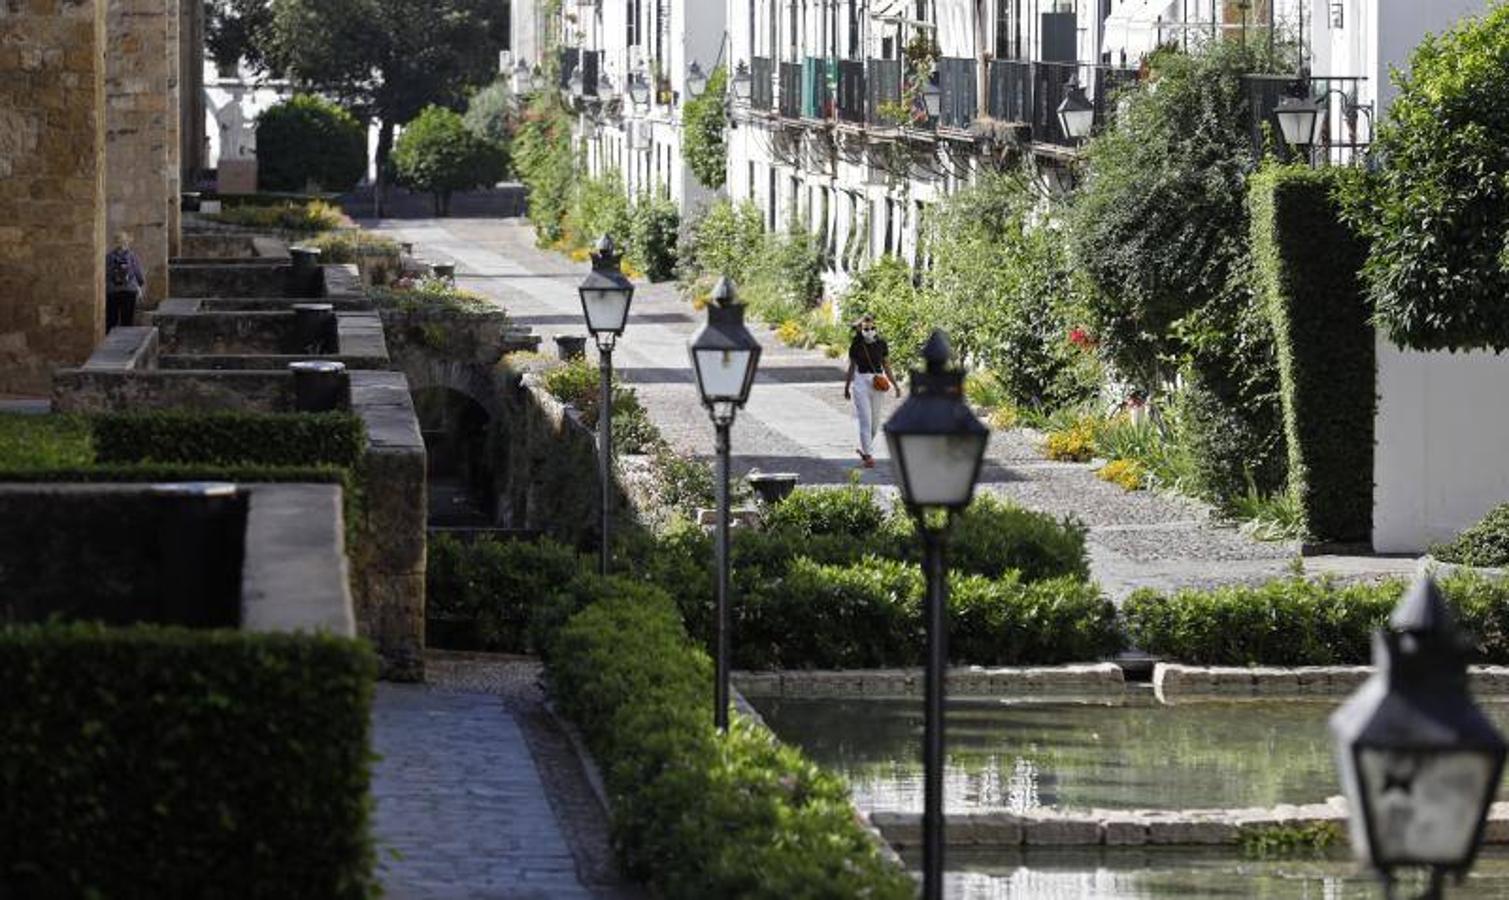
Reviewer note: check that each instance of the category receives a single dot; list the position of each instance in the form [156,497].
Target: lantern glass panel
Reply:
[938,470]
[1077,122]
[607,309]
[723,373]
[743,86]
[1425,804]
[1296,119]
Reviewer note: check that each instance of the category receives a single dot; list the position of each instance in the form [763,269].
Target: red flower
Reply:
[1081,338]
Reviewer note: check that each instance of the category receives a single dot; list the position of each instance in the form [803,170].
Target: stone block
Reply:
[900,830]
[1061,831]
[1126,830]
[1182,830]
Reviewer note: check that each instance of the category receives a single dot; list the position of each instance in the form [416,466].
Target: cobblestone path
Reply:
[797,421]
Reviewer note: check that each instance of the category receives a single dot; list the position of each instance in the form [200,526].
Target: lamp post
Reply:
[1296,119]
[724,356]
[606,295]
[938,446]
[743,83]
[1076,114]
[1419,762]
[696,80]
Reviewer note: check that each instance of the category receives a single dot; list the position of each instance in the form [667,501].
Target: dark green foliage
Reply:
[993,537]
[1438,210]
[1484,544]
[704,120]
[40,442]
[1234,450]
[851,511]
[557,607]
[1297,622]
[1007,621]
[490,113]
[698,814]
[309,139]
[149,762]
[654,226]
[579,383]
[230,438]
[1307,263]
[542,156]
[438,154]
[481,595]
[725,240]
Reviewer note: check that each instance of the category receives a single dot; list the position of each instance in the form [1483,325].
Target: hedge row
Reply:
[160,762]
[480,595]
[1301,622]
[230,438]
[1308,264]
[695,813]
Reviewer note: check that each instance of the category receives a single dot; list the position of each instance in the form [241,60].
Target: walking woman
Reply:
[124,280]
[870,358]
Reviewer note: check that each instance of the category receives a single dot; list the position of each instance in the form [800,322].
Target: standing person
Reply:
[124,280]
[870,357]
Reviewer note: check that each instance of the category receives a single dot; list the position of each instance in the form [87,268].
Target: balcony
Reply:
[851,91]
[791,90]
[762,91]
[817,96]
[960,93]
[1029,93]
[884,84]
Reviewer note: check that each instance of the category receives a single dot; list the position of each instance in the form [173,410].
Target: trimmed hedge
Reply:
[481,595]
[1484,544]
[156,762]
[36,442]
[1301,622]
[697,814]
[1308,264]
[230,438]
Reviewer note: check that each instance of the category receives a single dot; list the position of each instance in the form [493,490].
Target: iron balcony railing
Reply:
[1343,131]
[817,94]
[959,93]
[1029,93]
[851,91]
[791,90]
[762,89]
[884,90]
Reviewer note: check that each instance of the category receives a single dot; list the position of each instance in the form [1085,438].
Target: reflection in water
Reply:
[1026,755]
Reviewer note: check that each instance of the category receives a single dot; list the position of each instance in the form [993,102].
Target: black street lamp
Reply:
[938,446]
[606,295]
[1419,762]
[1296,119]
[725,357]
[932,99]
[743,83]
[1076,114]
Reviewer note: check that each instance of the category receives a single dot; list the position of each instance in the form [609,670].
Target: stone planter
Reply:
[772,487]
[1444,569]
[570,346]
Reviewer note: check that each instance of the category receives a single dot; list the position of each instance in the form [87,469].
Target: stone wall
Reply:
[136,135]
[52,167]
[174,171]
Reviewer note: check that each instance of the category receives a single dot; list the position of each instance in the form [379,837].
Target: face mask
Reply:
[867,333]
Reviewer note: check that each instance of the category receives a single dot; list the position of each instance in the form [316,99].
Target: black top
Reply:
[868,358]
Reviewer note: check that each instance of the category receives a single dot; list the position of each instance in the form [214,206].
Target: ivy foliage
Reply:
[703,124]
[309,140]
[437,153]
[1437,213]
[542,156]
[1308,263]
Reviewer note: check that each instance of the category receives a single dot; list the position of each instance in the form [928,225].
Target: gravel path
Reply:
[797,421]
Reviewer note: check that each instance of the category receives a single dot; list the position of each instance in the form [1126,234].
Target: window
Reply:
[634,37]
[770,198]
[751,181]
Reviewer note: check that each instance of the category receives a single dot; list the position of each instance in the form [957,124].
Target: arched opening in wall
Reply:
[460,472]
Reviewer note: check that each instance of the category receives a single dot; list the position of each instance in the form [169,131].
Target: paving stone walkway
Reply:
[479,796]
[797,421]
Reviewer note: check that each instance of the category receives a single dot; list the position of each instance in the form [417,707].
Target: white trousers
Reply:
[869,410]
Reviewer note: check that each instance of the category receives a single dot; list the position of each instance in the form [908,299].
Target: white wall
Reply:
[1442,433]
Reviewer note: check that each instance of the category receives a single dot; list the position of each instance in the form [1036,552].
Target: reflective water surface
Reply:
[1023,755]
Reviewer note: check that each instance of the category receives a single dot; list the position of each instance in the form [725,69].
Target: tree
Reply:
[703,122]
[307,139]
[491,113]
[389,58]
[237,29]
[436,153]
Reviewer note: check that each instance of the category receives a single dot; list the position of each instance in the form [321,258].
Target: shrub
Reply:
[1007,621]
[428,293]
[303,218]
[1307,262]
[579,384]
[152,762]
[230,438]
[994,537]
[40,442]
[903,315]
[851,511]
[482,594]
[654,223]
[542,155]
[1127,474]
[599,206]
[1076,443]
[490,113]
[703,121]
[436,153]
[1294,622]
[307,139]
[727,240]
[698,814]
[1484,544]
[1436,212]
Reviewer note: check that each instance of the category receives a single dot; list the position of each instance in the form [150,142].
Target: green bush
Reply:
[727,239]
[1436,214]
[654,226]
[1008,621]
[230,438]
[1298,622]
[704,121]
[599,206]
[993,537]
[579,384]
[42,442]
[490,113]
[851,511]
[1484,544]
[429,293]
[481,595]
[1307,262]
[149,762]
[698,814]
[437,154]
[299,218]
[904,315]
[542,155]
[307,139]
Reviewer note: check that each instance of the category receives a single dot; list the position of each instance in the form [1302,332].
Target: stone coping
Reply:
[124,349]
[1173,683]
[1444,569]
[342,303]
[1090,680]
[95,391]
